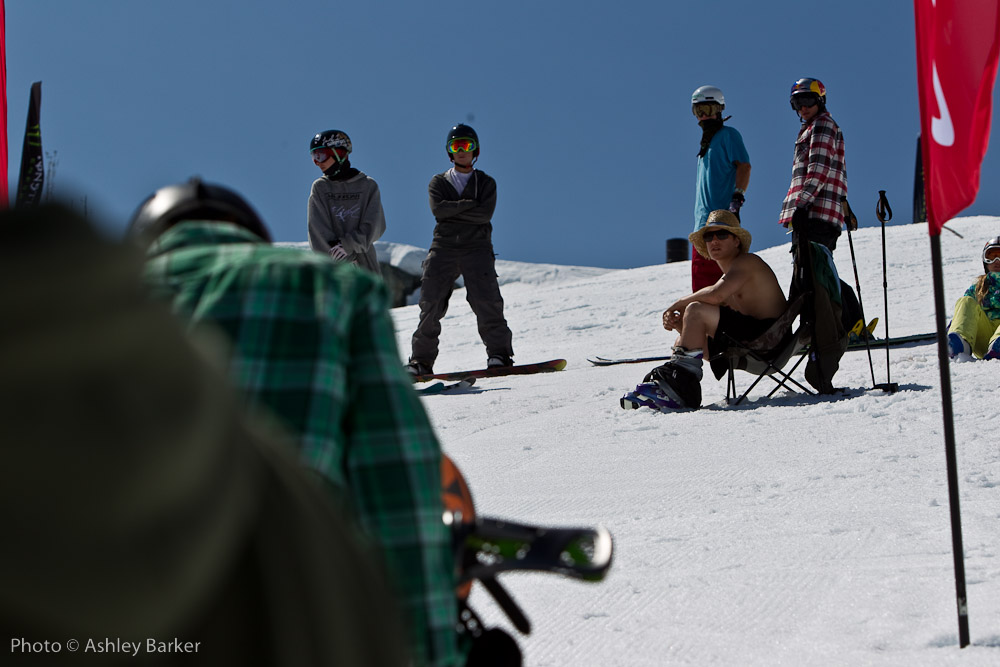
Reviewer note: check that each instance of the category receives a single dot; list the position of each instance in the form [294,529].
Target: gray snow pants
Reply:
[442,268]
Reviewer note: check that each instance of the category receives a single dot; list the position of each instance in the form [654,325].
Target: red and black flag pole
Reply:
[956,93]
[4,198]
[31,180]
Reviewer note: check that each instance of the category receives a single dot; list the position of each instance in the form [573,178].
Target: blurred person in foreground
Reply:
[313,345]
[975,325]
[139,505]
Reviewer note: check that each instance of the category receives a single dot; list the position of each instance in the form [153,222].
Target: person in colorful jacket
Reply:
[975,325]
[345,215]
[723,174]
[313,345]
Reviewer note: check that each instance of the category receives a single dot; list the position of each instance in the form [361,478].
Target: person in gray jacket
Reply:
[345,208]
[462,201]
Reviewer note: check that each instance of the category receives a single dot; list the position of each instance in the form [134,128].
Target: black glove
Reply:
[494,648]
[736,203]
[800,217]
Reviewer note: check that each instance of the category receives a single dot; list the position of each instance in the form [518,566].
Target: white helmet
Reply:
[708,94]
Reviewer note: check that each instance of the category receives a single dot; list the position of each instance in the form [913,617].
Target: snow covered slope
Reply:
[791,531]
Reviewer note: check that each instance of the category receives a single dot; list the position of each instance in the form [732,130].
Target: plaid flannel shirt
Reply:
[819,173]
[314,344]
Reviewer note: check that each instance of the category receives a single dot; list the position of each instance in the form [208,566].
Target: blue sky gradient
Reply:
[582,108]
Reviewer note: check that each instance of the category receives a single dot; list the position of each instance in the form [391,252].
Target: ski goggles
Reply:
[706,109]
[720,234]
[804,100]
[461,145]
[321,155]
[992,251]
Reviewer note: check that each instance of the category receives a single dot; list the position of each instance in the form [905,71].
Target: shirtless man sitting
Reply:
[743,304]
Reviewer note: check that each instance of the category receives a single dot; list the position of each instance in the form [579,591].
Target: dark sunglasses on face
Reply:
[799,101]
[720,234]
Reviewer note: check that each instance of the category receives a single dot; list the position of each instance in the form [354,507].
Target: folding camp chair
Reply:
[767,355]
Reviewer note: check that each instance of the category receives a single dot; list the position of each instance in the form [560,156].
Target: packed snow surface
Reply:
[794,530]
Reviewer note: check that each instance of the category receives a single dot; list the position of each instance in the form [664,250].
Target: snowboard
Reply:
[497,371]
[442,388]
[486,547]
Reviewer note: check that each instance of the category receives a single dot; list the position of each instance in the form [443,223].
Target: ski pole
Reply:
[884,213]
[848,215]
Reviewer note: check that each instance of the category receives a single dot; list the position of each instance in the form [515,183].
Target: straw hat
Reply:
[721,219]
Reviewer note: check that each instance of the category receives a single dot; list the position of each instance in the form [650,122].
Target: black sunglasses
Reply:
[720,234]
[799,101]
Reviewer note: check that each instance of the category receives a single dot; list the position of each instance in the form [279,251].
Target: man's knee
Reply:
[699,312]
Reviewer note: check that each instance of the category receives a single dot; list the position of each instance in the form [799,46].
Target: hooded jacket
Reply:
[348,212]
[463,219]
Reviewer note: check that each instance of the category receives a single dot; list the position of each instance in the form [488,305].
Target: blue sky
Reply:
[582,108]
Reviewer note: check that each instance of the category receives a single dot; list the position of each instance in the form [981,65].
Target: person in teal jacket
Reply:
[975,325]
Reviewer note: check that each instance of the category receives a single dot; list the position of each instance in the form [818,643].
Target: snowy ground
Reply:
[790,531]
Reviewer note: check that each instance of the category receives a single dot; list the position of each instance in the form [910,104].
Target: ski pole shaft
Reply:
[861,305]
[884,213]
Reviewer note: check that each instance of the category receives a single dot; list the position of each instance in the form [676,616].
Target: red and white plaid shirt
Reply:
[819,173]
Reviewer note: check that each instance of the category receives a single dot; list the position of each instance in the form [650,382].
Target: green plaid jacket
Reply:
[314,344]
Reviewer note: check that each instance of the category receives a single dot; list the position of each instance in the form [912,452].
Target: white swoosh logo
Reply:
[942,130]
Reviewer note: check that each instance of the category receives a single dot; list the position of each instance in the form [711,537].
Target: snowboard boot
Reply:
[499,361]
[416,368]
[649,395]
[679,382]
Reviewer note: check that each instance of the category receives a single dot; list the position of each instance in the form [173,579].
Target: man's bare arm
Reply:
[716,295]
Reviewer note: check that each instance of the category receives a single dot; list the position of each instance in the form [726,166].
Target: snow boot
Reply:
[958,348]
[499,361]
[649,395]
[994,351]
[680,384]
[416,368]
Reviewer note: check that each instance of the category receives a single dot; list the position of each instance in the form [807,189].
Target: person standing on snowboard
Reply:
[462,201]
[345,215]
[723,174]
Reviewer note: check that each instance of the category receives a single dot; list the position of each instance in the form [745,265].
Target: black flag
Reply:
[32,177]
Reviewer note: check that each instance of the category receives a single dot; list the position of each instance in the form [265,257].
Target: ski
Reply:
[875,343]
[506,546]
[486,547]
[442,388]
[602,361]
[497,371]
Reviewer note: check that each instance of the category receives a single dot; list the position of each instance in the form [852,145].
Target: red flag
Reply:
[4,200]
[958,42]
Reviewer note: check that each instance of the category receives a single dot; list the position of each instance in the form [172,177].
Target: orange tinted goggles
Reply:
[461,145]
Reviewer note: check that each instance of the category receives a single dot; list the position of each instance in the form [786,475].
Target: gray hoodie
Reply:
[348,212]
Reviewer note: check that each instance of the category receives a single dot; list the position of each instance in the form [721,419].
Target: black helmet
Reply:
[193,200]
[331,139]
[462,131]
